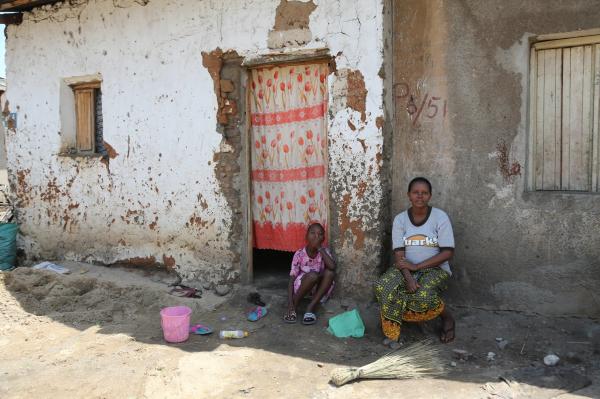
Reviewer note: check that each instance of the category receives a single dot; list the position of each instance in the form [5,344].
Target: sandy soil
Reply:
[96,334]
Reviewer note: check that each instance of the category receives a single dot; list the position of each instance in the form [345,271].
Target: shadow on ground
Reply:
[128,302]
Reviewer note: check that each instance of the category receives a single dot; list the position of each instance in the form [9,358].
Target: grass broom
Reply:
[417,360]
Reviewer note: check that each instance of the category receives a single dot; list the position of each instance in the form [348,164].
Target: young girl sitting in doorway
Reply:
[313,271]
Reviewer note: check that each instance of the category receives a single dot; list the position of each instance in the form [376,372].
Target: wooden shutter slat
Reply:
[84,108]
[539,130]
[566,120]
[577,133]
[596,121]
[548,120]
[531,177]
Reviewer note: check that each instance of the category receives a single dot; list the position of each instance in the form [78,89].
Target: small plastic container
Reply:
[232,334]
[175,322]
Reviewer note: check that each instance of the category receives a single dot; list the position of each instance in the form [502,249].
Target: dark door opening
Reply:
[271,268]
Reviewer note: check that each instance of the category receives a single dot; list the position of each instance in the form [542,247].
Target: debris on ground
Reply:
[53,267]
[184,291]
[222,289]
[462,354]
[551,360]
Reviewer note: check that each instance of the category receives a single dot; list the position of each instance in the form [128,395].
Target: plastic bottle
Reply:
[231,334]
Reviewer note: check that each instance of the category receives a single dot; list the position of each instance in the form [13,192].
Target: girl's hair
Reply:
[310,226]
[419,180]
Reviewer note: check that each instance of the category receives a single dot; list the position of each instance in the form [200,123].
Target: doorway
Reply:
[288,163]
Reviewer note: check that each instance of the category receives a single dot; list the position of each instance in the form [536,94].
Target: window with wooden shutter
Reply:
[86,116]
[564,104]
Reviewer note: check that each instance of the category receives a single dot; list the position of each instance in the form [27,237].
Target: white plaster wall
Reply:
[159,111]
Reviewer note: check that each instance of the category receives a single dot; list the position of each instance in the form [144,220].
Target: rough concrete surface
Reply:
[96,333]
[461,87]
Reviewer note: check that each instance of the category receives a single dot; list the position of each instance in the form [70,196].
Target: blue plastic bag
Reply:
[8,245]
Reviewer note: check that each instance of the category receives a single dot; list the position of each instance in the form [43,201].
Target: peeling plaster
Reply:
[182,137]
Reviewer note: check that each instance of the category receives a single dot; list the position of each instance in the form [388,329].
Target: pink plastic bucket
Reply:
[175,323]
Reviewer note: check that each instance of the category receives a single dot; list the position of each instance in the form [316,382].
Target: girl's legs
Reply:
[309,280]
[326,279]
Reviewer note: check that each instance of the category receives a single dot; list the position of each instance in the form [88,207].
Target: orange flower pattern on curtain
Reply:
[289,153]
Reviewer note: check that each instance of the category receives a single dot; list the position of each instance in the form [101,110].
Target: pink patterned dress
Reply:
[302,264]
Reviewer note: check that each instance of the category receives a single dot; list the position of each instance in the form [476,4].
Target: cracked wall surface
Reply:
[168,196]
[516,249]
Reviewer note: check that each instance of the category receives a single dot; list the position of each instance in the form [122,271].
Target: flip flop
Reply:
[309,318]
[200,329]
[290,317]
[257,313]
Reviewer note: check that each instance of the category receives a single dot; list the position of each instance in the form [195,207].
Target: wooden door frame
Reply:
[271,60]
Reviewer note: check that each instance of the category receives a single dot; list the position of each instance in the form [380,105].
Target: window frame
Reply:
[80,90]
[563,41]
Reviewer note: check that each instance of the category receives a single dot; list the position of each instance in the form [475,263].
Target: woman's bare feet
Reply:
[448,327]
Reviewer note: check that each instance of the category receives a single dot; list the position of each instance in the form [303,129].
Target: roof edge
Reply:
[23,5]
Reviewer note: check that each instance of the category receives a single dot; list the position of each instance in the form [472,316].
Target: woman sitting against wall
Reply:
[423,244]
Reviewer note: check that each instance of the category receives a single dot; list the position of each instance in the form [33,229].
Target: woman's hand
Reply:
[329,262]
[411,284]
[404,264]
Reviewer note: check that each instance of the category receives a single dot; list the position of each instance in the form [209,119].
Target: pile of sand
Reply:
[79,299]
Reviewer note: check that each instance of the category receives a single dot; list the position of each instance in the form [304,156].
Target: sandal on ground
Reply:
[309,318]
[257,313]
[290,317]
[448,332]
[183,291]
[200,329]
[255,298]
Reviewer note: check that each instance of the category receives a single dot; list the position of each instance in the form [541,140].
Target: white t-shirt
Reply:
[425,240]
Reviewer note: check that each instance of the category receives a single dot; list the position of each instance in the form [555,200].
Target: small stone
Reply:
[502,344]
[453,364]
[222,289]
[551,360]
[462,354]
[491,356]
[499,339]
[207,285]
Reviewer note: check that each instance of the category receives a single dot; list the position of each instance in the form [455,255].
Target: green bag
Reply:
[8,245]
[347,324]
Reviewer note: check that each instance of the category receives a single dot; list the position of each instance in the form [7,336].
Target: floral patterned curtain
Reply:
[289,157]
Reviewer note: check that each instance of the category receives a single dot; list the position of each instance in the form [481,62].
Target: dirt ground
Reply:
[96,334]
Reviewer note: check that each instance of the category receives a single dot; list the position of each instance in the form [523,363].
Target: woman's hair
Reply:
[419,180]
[310,226]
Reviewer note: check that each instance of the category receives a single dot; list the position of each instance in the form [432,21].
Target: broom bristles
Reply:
[415,361]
